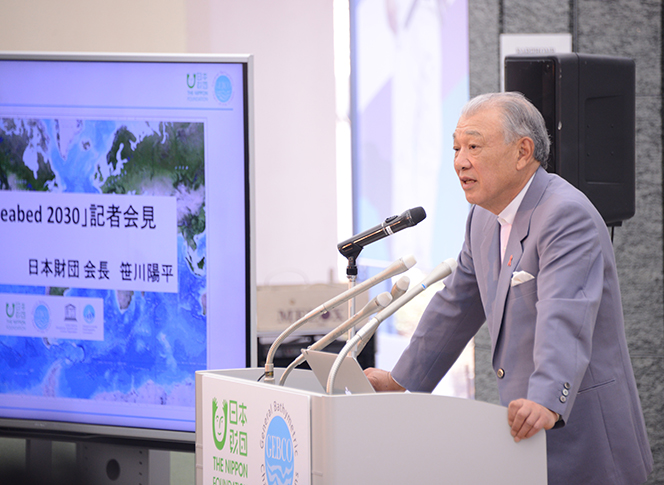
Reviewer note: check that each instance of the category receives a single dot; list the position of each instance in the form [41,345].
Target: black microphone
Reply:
[350,248]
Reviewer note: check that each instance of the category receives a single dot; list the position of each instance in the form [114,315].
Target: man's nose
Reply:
[461,160]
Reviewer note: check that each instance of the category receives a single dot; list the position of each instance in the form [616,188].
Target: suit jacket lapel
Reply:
[490,249]
[514,251]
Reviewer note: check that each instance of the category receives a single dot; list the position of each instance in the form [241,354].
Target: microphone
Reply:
[364,334]
[379,302]
[400,287]
[397,267]
[350,248]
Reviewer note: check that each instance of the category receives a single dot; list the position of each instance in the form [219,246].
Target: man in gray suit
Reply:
[537,265]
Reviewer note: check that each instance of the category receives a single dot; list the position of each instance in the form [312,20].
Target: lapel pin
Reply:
[509,263]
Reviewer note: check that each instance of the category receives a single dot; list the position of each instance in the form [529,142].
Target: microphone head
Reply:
[400,287]
[403,283]
[452,263]
[441,271]
[417,215]
[384,299]
[408,261]
[377,303]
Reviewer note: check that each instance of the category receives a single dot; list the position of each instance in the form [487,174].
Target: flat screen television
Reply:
[126,248]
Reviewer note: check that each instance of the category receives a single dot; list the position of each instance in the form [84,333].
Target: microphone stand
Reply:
[351,274]
[351,247]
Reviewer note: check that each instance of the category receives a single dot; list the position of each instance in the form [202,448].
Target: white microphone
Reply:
[400,287]
[439,272]
[377,303]
[397,267]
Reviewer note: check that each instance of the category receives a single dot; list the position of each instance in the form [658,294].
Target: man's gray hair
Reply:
[520,118]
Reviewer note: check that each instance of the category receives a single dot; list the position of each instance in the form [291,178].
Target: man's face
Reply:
[485,165]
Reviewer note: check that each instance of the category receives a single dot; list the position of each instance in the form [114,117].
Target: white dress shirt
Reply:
[506,218]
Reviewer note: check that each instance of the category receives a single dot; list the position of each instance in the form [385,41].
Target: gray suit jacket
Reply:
[557,339]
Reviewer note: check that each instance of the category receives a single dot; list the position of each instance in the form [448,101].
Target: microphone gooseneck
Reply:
[397,267]
[438,273]
[378,303]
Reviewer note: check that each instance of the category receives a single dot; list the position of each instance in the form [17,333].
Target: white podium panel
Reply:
[260,433]
[250,433]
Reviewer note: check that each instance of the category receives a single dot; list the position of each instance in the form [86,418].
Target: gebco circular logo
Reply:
[223,88]
[41,316]
[279,459]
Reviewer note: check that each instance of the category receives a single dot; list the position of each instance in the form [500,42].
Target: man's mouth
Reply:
[467,182]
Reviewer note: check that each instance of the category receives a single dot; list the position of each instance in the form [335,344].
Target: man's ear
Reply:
[526,148]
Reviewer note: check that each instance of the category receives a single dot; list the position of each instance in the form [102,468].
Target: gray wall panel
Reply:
[625,28]
[484,46]
[528,16]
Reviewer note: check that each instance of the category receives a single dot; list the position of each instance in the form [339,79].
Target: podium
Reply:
[250,432]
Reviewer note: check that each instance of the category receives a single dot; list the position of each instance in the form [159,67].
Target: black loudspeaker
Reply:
[588,104]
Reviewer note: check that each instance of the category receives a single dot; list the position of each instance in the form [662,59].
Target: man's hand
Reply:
[527,417]
[382,381]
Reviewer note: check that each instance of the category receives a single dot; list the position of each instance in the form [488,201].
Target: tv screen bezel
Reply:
[154,437]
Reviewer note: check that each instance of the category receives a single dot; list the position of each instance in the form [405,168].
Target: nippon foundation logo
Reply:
[15,316]
[198,89]
[229,421]
[219,423]
[229,463]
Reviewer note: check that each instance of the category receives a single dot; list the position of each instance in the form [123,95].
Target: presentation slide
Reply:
[123,260]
